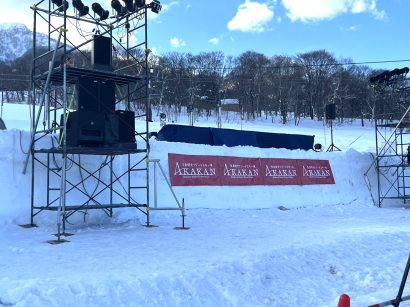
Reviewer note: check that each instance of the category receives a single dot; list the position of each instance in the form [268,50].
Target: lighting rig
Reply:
[82,10]
[62,5]
[120,7]
[155,6]
[98,9]
[116,5]
[388,77]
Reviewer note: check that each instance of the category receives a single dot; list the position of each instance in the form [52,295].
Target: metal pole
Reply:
[111,183]
[402,284]
[62,202]
[43,97]
[2,102]
[155,185]
[33,101]
[147,107]
[377,164]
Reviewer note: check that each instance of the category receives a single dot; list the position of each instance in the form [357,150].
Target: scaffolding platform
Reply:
[392,131]
[102,151]
[74,73]
[85,177]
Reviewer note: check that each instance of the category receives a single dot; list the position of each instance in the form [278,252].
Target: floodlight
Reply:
[386,75]
[318,147]
[156,6]
[380,77]
[129,4]
[139,3]
[80,7]
[116,5]
[59,4]
[403,71]
[97,8]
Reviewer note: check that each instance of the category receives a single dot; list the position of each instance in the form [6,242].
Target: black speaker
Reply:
[107,96]
[330,111]
[95,95]
[101,55]
[88,94]
[84,128]
[120,128]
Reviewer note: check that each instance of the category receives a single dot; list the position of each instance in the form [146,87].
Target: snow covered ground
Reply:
[247,246]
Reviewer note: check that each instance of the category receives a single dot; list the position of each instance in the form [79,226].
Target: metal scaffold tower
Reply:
[91,111]
[392,131]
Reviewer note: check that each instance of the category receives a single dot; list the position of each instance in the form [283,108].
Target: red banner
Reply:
[280,172]
[315,172]
[189,170]
[240,171]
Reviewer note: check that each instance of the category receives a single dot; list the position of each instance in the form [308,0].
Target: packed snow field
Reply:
[246,246]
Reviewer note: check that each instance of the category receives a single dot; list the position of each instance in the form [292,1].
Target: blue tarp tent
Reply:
[231,137]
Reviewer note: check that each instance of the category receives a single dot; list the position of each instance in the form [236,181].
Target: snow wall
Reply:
[348,170]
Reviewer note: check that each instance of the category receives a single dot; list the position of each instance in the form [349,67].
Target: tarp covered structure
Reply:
[231,137]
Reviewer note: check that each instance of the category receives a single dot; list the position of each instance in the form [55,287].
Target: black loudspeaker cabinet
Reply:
[120,127]
[84,128]
[96,95]
[331,111]
[88,94]
[107,96]
[101,53]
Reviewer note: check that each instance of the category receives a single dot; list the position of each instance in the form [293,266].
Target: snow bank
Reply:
[348,169]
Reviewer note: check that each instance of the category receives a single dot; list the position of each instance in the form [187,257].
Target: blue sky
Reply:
[363,30]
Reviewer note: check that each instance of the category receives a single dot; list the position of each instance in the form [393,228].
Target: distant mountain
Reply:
[16,39]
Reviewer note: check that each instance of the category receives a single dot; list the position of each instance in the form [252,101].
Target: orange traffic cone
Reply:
[344,301]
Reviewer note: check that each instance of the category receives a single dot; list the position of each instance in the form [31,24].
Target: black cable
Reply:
[21,146]
[98,180]
[118,180]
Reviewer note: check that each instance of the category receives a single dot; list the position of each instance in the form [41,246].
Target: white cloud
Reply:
[167,7]
[350,28]
[177,42]
[316,10]
[214,41]
[251,17]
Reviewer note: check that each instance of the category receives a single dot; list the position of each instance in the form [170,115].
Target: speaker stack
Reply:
[96,123]
[330,111]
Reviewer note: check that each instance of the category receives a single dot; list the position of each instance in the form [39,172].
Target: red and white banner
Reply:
[280,172]
[316,172]
[189,170]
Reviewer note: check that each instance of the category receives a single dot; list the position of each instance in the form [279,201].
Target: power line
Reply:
[295,65]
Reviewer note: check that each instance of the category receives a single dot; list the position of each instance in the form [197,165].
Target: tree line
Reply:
[291,87]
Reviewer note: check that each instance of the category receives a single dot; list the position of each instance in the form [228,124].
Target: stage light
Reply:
[80,7]
[116,5]
[156,6]
[318,147]
[97,8]
[386,75]
[403,71]
[59,4]
[380,77]
[139,3]
[129,4]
